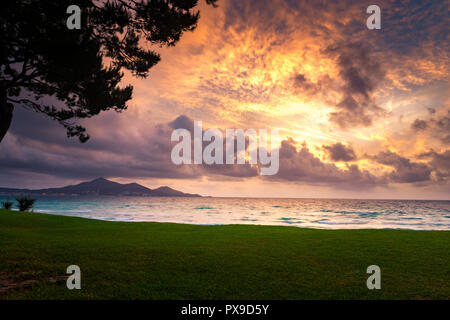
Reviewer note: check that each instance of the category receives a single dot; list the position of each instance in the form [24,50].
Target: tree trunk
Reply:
[6,114]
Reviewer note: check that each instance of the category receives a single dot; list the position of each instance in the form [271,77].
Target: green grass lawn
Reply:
[130,260]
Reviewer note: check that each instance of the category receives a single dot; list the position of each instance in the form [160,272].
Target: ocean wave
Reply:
[62,211]
[289,220]
[112,218]
[248,219]
[360,212]
[338,223]
[323,214]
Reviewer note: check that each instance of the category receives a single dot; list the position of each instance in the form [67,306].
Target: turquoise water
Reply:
[308,213]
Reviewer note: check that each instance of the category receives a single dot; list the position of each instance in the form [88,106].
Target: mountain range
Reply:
[102,186]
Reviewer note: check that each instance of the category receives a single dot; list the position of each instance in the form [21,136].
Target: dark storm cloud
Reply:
[440,162]
[37,146]
[361,75]
[182,122]
[243,171]
[419,125]
[27,156]
[442,127]
[431,110]
[340,152]
[405,170]
[22,157]
[438,125]
[305,86]
[410,23]
[444,122]
[303,166]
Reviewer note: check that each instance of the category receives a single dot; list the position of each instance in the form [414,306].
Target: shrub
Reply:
[25,204]
[7,205]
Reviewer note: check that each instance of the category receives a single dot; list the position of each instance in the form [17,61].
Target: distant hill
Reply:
[102,186]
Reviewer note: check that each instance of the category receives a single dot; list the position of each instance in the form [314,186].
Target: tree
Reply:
[7,205]
[25,203]
[74,74]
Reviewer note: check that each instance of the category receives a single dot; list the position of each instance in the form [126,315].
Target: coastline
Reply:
[110,219]
[310,213]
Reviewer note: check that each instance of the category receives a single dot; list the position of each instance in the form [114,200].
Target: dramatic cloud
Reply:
[443,125]
[310,68]
[405,171]
[340,152]
[440,163]
[361,75]
[439,126]
[303,166]
[182,122]
[431,110]
[306,86]
[419,125]
[110,155]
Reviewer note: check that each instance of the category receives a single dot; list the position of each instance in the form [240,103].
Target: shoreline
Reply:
[130,220]
[224,224]
[7,195]
[315,214]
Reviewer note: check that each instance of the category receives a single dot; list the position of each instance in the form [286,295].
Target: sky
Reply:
[361,113]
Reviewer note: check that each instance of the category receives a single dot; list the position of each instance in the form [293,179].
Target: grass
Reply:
[123,260]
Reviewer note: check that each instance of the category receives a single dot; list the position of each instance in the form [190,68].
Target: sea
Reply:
[304,213]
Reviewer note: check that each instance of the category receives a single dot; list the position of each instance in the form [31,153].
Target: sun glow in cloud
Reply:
[314,72]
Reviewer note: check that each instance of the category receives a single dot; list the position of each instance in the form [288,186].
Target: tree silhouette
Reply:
[74,74]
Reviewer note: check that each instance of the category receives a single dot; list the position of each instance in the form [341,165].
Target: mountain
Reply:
[102,186]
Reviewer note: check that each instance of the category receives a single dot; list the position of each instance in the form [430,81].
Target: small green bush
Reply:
[25,204]
[7,205]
